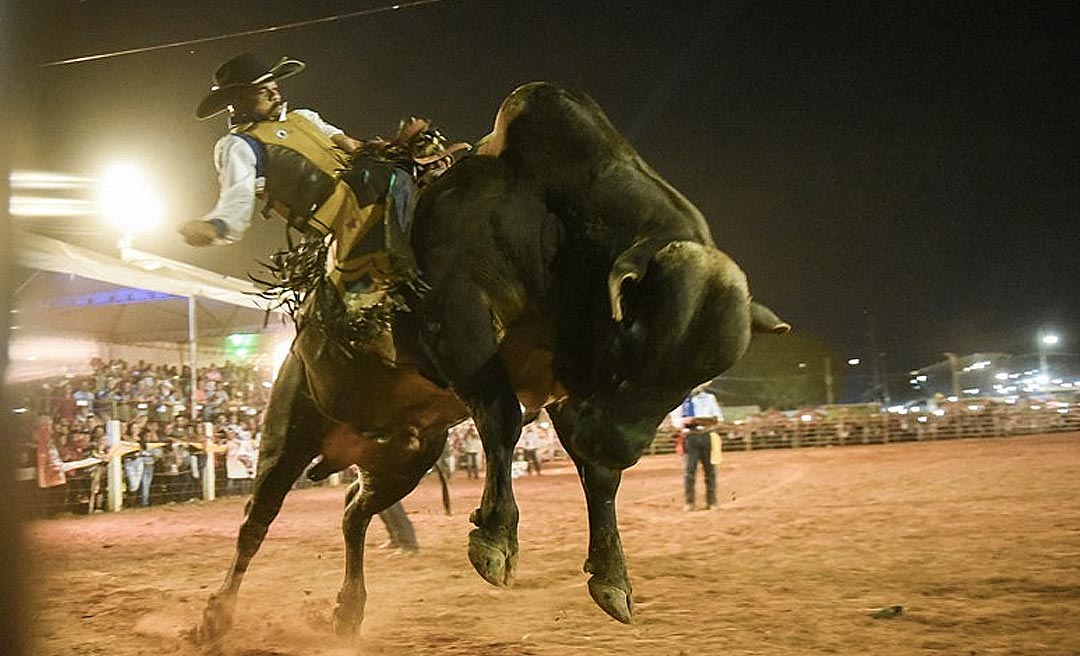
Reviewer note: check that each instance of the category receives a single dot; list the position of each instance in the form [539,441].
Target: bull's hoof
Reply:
[217,618]
[490,559]
[612,599]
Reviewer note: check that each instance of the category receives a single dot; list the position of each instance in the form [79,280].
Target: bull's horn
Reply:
[630,265]
[764,320]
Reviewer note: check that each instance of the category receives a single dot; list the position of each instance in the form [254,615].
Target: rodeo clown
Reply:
[294,164]
[320,180]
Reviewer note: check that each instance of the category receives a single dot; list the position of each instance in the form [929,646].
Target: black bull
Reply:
[564,273]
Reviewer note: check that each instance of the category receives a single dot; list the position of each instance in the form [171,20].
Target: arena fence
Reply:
[955,421]
[100,483]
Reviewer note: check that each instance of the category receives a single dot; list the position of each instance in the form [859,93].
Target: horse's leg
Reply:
[465,349]
[289,443]
[391,472]
[609,584]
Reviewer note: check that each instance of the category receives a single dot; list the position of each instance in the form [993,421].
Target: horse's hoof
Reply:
[613,600]
[217,619]
[489,560]
[346,624]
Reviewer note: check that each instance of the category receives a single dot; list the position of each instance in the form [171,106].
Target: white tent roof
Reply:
[142,298]
[136,269]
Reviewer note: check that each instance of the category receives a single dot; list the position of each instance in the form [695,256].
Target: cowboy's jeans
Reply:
[698,448]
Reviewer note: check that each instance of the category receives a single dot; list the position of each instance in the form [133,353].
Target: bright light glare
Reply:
[41,206]
[1050,340]
[127,199]
[1002,376]
[278,355]
[854,361]
[48,180]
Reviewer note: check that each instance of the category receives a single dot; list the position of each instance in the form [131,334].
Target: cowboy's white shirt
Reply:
[240,200]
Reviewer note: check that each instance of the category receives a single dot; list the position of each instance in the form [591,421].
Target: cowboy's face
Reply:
[263,100]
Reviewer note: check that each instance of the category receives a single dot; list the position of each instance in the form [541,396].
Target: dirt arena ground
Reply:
[977,540]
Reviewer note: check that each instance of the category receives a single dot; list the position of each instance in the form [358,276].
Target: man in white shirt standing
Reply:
[696,417]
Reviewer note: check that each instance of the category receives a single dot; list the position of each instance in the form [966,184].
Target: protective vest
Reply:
[314,184]
[303,169]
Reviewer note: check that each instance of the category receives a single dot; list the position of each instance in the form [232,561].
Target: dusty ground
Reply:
[978,540]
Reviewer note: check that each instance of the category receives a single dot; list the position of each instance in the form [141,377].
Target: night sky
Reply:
[909,164]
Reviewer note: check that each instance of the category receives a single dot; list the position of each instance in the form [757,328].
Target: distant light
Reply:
[971,391]
[973,408]
[1036,407]
[241,339]
[1001,376]
[915,408]
[1042,380]
[802,365]
[807,417]
[854,361]
[922,378]
[951,399]
[922,420]
[1050,340]
[127,200]
[1063,411]
[939,412]
[19,411]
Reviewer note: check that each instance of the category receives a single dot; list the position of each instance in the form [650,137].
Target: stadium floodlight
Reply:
[1050,339]
[127,201]
[854,361]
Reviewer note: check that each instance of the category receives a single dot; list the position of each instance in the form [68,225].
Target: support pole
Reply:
[193,337]
[114,470]
[829,396]
[954,373]
[209,473]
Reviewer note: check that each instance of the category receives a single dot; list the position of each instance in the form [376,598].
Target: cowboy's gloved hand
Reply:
[198,233]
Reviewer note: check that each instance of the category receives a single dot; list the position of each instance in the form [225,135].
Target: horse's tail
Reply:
[443,480]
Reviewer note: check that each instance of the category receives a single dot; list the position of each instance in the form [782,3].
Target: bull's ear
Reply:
[629,266]
[764,320]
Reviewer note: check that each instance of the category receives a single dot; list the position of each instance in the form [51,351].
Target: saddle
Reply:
[342,290]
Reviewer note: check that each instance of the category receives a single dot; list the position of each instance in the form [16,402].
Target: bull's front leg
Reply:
[463,344]
[609,583]
[493,544]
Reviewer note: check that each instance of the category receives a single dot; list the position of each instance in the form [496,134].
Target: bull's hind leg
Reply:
[609,585]
[288,446]
[389,471]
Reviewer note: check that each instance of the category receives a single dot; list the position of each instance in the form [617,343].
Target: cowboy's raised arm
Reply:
[237,201]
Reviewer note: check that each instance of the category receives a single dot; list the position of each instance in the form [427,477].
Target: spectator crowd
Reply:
[162,430]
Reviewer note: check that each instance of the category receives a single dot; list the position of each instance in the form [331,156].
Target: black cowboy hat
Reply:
[241,72]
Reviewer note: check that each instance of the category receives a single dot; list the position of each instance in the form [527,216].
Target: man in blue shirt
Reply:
[696,417]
